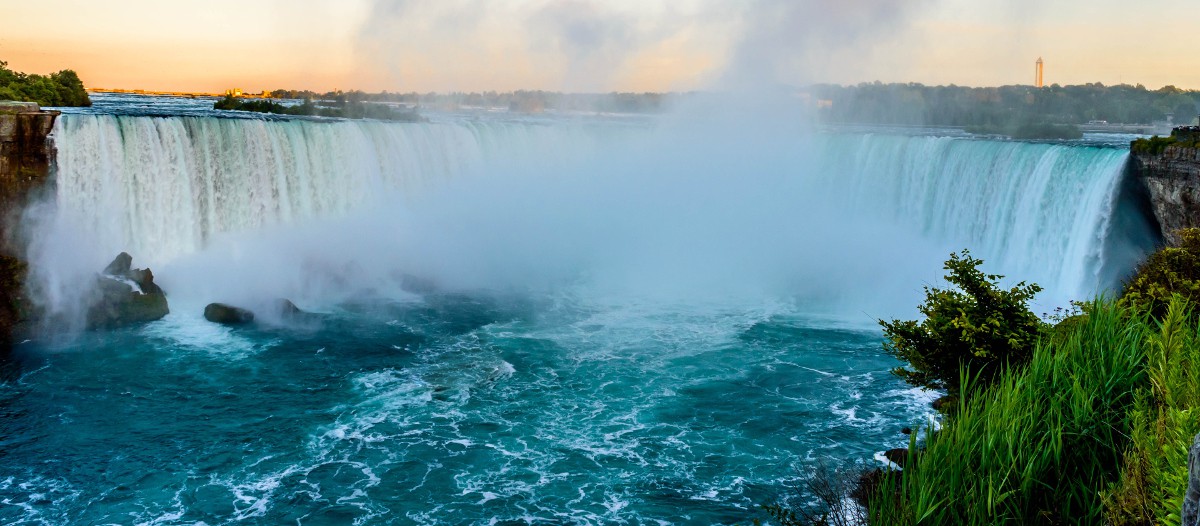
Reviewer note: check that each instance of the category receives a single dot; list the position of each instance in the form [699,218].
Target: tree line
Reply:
[56,89]
[918,104]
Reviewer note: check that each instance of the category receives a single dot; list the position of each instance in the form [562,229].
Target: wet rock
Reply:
[227,314]
[286,308]
[906,431]
[945,404]
[125,296]
[120,265]
[1191,499]
[868,483]
[898,456]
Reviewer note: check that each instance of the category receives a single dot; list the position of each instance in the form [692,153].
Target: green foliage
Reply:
[1038,445]
[1169,271]
[976,326]
[1047,131]
[1154,145]
[1030,131]
[58,89]
[1164,420]
[342,108]
[1003,106]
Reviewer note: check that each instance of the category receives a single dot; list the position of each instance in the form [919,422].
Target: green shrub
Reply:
[1154,145]
[1169,271]
[977,326]
[1040,444]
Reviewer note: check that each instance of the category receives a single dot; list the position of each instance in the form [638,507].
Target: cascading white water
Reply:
[1041,212]
[162,187]
[829,208]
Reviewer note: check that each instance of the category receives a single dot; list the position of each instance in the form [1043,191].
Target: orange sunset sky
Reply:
[597,45]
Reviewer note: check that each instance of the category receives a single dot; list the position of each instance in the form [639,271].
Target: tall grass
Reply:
[1165,417]
[1097,420]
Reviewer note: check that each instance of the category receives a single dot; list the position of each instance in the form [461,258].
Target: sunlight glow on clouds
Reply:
[596,45]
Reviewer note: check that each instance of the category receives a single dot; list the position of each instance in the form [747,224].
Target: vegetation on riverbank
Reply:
[344,109]
[1051,443]
[1156,144]
[56,89]
[1002,106]
[1093,428]
[525,101]
[1030,131]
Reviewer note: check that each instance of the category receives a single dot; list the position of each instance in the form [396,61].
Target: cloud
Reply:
[594,45]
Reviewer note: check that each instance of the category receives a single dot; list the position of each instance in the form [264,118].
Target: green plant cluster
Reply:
[1030,131]
[977,326]
[1167,272]
[1164,419]
[1155,145]
[1094,428]
[520,100]
[343,109]
[57,89]
[1091,431]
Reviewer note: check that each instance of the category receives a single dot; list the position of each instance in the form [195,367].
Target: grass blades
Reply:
[1053,443]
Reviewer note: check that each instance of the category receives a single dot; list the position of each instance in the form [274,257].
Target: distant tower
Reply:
[1037,80]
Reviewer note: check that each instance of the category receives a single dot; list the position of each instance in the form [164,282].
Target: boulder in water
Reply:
[125,296]
[120,265]
[286,309]
[227,314]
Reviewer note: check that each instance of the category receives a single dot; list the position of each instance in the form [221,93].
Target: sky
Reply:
[597,45]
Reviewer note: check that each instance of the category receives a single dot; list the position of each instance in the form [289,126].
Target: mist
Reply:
[703,207]
[727,199]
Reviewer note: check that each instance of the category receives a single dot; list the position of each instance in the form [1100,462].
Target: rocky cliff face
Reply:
[1173,179]
[26,154]
[25,157]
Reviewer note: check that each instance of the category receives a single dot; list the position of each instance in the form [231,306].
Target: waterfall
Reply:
[580,193]
[1043,212]
[162,187]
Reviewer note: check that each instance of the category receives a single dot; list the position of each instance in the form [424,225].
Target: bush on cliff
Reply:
[977,326]
[1041,443]
[1169,271]
[1154,145]
[58,89]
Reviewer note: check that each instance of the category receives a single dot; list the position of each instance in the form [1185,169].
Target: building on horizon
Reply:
[1037,75]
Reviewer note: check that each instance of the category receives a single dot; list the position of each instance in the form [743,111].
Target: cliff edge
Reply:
[26,154]
[1169,167]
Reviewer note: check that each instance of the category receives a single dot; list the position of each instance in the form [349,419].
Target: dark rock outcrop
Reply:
[945,404]
[26,153]
[125,296]
[227,314]
[1191,499]
[897,456]
[1172,177]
